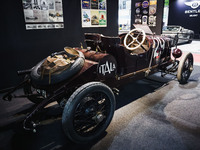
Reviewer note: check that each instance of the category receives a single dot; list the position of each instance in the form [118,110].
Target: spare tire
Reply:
[38,79]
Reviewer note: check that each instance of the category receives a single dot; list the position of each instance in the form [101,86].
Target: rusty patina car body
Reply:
[108,63]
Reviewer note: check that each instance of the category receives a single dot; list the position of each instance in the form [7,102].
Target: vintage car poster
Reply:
[95,17]
[102,4]
[39,12]
[145,11]
[85,4]
[152,12]
[138,16]
[93,13]
[86,16]
[144,19]
[94,4]
[152,21]
[102,18]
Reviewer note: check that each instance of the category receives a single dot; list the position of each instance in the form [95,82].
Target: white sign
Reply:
[43,14]
[107,68]
[194,12]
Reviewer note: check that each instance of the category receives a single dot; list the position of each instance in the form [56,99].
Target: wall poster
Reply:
[43,14]
[93,13]
[152,12]
[138,15]
[145,12]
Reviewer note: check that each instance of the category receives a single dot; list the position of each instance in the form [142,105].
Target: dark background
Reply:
[177,16]
[22,49]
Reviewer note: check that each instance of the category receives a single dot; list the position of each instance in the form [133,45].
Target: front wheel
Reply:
[185,68]
[88,112]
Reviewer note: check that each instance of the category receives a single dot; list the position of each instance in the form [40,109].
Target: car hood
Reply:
[170,32]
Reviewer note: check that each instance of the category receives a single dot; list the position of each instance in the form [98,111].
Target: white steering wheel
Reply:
[135,39]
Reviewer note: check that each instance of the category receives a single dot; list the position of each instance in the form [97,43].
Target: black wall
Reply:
[22,49]
[177,16]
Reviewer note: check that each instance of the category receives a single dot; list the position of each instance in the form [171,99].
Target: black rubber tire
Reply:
[37,80]
[190,39]
[28,90]
[185,68]
[74,102]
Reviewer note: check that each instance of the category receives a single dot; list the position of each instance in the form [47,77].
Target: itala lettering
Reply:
[107,68]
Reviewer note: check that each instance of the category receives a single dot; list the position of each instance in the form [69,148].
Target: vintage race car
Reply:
[178,33]
[84,82]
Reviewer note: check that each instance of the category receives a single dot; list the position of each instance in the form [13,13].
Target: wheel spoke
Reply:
[90,112]
[138,35]
[84,128]
[132,37]
[186,64]
[101,108]
[137,41]
[131,43]
[83,121]
[80,114]
[133,40]
[79,123]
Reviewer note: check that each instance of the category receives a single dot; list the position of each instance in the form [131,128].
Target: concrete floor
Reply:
[150,115]
[194,48]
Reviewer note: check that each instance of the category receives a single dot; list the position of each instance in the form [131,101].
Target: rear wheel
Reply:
[185,68]
[88,112]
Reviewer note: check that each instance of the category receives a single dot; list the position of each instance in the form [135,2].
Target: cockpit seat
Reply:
[108,42]
[92,40]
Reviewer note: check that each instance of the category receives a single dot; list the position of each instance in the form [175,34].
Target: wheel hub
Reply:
[191,68]
[99,118]
[89,110]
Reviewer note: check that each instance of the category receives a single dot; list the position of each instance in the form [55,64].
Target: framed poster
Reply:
[152,12]
[43,14]
[146,12]
[93,13]
[138,16]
